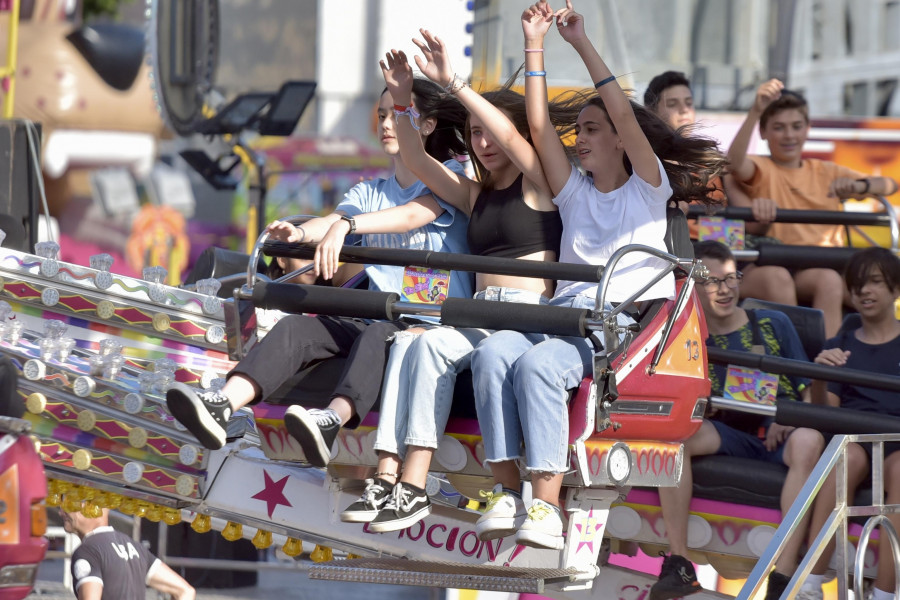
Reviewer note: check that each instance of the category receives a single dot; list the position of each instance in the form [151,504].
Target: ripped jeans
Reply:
[420,376]
[521,385]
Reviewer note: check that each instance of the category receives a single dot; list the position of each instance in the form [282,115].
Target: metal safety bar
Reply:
[834,458]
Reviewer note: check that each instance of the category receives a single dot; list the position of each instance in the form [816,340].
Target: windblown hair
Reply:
[446,141]
[512,103]
[661,83]
[692,162]
[787,101]
[861,265]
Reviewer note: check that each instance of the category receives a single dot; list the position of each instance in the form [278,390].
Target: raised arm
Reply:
[570,25]
[740,165]
[536,21]
[437,68]
[457,190]
[398,219]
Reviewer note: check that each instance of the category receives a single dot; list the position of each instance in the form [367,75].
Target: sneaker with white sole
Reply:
[543,527]
[810,593]
[503,515]
[405,507]
[373,499]
[315,429]
[205,414]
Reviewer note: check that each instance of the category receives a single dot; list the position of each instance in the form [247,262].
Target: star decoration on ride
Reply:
[587,531]
[273,493]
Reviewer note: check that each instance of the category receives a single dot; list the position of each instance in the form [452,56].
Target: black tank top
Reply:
[503,225]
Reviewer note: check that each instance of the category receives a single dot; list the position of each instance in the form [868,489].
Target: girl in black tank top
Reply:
[512,214]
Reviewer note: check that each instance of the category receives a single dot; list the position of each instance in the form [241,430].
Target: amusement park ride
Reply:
[95,352]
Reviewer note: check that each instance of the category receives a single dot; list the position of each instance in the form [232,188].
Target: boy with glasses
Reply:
[739,434]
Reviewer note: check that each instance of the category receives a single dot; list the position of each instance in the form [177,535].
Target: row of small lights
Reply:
[90,502]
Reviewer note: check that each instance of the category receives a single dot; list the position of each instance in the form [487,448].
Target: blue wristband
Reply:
[603,82]
[535,73]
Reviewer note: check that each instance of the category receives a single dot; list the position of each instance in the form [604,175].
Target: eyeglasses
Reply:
[731,281]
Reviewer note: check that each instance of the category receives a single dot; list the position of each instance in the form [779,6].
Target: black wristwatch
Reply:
[352,222]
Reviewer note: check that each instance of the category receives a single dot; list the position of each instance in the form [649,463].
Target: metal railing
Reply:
[834,458]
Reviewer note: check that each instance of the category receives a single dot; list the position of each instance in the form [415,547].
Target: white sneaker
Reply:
[503,515]
[543,528]
[810,593]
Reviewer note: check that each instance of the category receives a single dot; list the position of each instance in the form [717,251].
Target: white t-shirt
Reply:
[596,224]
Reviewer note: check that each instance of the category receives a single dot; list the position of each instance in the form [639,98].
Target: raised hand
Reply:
[768,93]
[536,21]
[398,76]
[569,23]
[436,65]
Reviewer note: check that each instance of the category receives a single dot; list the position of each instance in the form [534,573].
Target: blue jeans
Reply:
[521,391]
[421,374]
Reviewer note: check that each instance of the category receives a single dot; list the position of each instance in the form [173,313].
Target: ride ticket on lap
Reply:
[750,385]
[424,285]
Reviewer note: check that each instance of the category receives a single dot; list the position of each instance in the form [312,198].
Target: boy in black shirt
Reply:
[109,565]
[873,279]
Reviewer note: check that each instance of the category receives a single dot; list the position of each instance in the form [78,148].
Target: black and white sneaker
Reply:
[405,507]
[316,431]
[677,578]
[373,499]
[205,414]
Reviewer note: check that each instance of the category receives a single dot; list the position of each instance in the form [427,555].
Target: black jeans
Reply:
[298,341]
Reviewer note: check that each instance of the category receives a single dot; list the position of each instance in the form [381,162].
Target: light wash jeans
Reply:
[521,385]
[420,376]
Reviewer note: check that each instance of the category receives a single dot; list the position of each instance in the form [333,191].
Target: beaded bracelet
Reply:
[603,82]
[455,85]
[535,73]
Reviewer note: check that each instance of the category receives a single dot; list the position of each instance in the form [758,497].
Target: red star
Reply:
[273,493]
[588,531]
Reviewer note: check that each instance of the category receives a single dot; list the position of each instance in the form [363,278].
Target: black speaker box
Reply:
[19,191]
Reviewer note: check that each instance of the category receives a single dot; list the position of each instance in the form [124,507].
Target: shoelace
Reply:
[324,418]
[538,511]
[217,398]
[400,498]
[371,492]
[492,498]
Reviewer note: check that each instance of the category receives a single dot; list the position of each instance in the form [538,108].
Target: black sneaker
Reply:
[204,414]
[373,499]
[777,584]
[316,431]
[677,578]
[405,507]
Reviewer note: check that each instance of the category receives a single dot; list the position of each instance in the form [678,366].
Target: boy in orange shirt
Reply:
[794,182]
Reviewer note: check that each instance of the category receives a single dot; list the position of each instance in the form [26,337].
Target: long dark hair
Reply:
[513,104]
[692,162]
[446,140]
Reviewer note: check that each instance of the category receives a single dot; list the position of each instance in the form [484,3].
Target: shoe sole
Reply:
[401,523]
[189,410]
[498,527]
[359,516]
[304,429]
[536,539]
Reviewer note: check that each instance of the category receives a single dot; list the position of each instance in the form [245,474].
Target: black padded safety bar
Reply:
[804,257]
[527,318]
[323,300]
[819,217]
[801,368]
[832,419]
[445,260]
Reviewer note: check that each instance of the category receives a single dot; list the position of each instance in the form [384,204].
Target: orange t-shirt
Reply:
[805,188]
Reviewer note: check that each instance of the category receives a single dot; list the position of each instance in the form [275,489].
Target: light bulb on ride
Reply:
[233,531]
[262,539]
[201,524]
[292,547]
[321,554]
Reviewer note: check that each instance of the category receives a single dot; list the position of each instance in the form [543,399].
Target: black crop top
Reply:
[502,225]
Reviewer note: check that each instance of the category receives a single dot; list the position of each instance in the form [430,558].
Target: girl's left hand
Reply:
[569,23]
[436,65]
[328,251]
